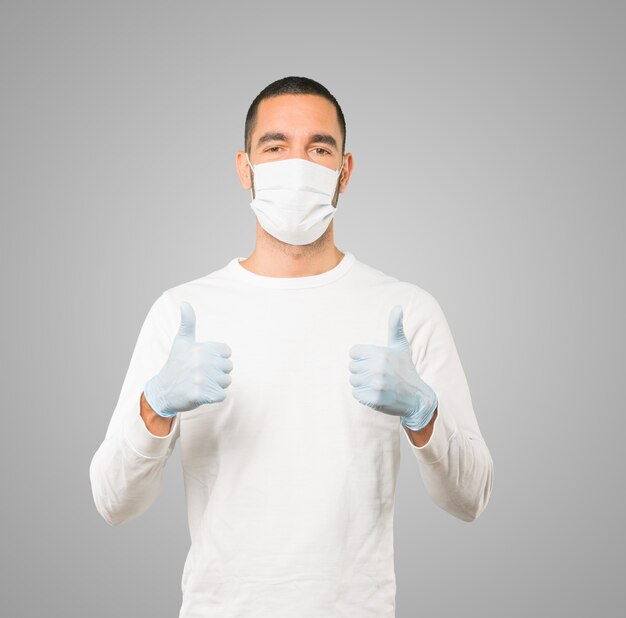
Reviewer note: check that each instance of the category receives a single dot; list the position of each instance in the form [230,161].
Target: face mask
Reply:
[292,199]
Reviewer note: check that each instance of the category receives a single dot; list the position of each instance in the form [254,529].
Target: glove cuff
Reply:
[422,415]
[153,400]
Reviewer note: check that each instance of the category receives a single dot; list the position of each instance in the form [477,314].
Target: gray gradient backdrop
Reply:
[489,142]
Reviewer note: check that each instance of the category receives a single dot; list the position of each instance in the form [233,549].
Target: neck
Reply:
[274,258]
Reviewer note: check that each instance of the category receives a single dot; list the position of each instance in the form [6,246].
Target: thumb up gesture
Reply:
[195,372]
[385,378]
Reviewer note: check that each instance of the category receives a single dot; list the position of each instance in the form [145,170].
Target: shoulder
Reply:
[417,297]
[198,286]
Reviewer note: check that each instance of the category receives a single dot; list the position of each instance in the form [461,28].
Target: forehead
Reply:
[291,113]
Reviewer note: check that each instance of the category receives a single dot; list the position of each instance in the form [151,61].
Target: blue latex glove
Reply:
[385,378]
[195,373]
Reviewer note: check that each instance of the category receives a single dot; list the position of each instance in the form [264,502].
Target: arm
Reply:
[127,469]
[454,461]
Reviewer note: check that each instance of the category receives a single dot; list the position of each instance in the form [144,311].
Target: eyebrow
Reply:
[324,138]
[318,138]
[271,137]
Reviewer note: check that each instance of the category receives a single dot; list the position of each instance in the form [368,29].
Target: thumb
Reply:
[397,338]
[187,328]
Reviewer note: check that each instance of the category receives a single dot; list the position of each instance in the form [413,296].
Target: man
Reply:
[287,377]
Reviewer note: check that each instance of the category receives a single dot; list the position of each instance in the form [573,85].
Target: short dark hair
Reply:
[292,85]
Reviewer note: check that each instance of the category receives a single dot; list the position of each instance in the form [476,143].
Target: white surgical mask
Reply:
[292,198]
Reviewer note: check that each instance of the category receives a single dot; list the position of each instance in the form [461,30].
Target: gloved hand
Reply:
[195,373]
[385,378]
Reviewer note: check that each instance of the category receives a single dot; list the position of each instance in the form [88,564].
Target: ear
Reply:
[346,172]
[243,170]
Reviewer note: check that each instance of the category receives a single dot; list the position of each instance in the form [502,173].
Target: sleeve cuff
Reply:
[144,442]
[437,446]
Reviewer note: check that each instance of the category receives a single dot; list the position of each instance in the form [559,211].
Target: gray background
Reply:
[489,143]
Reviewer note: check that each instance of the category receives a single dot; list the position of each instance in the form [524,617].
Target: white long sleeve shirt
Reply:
[290,481]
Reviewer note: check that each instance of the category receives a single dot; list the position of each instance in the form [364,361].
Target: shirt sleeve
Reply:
[126,472]
[455,464]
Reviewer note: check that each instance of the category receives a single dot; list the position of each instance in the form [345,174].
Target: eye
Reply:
[272,149]
[321,151]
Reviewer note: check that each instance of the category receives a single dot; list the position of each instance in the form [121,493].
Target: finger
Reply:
[218,348]
[362,395]
[221,378]
[359,365]
[187,328]
[396,336]
[219,362]
[226,365]
[225,350]
[364,350]
[357,379]
[212,376]
[214,395]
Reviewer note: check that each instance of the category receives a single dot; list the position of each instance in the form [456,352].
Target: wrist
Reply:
[422,437]
[155,423]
